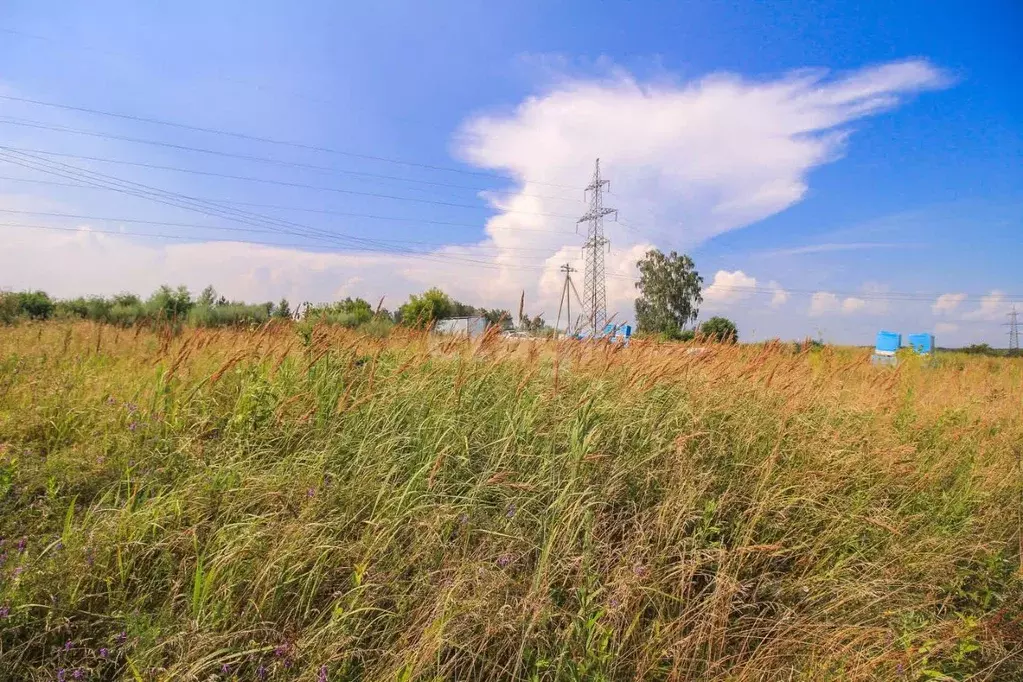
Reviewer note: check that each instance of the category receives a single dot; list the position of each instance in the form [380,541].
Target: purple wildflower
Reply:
[21,545]
[511,510]
[68,644]
[5,611]
[310,493]
[261,672]
[323,674]
[900,670]
[78,674]
[18,571]
[3,558]
[60,545]
[503,560]
[61,675]
[103,652]
[225,669]
[133,426]
[280,650]
[639,569]
[121,638]
[132,408]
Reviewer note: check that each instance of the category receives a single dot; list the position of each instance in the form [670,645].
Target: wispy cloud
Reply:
[871,302]
[828,247]
[947,303]
[994,306]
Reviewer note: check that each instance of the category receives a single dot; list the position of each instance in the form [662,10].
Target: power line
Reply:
[267,140]
[207,207]
[261,159]
[410,255]
[307,209]
[283,183]
[161,223]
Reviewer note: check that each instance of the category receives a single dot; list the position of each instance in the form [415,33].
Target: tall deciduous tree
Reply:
[670,295]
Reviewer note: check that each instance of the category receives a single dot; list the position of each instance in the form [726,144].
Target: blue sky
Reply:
[863,160]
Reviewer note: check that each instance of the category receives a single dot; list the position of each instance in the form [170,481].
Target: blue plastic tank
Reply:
[922,343]
[887,342]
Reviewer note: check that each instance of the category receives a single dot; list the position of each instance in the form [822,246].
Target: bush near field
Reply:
[224,504]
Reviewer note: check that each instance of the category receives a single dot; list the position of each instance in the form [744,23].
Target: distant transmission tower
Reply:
[1013,331]
[594,290]
[566,299]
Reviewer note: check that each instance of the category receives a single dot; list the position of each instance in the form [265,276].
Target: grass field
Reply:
[245,505]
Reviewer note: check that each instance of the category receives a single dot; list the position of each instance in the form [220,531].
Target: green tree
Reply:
[499,317]
[720,329]
[170,304]
[35,305]
[669,287]
[283,310]
[423,309]
[8,307]
[536,325]
[207,298]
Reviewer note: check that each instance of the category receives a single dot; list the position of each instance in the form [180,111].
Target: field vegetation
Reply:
[301,501]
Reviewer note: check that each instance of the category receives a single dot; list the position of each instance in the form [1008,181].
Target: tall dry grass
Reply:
[221,504]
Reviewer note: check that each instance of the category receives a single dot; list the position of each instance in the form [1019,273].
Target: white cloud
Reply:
[823,303]
[728,288]
[826,303]
[947,303]
[994,306]
[853,305]
[711,155]
[945,328]
[780,297]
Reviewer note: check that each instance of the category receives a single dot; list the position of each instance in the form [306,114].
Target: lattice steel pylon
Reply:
[594,284]
[1013,331]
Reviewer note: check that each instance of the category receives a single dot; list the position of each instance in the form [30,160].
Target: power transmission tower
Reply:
[566,299]
[594,289]
[1013,325]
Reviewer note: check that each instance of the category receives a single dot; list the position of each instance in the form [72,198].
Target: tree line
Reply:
[670,291]
[210,309]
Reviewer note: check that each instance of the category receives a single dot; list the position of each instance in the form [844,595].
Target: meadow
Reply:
[227,504]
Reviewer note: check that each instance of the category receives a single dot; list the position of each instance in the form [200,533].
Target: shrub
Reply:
[720,329]
[424,309]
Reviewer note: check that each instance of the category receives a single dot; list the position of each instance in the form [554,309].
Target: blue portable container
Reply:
[922,343]
[887,343]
